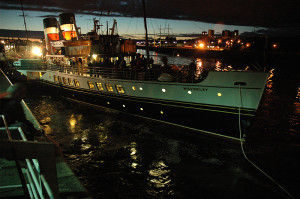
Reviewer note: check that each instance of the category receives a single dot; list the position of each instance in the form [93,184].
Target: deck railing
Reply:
[156,73]
[35,162]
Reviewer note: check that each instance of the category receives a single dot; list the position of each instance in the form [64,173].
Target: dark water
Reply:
[119,156]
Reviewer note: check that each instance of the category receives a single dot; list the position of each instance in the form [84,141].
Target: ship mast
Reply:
[146,32]
[24,20]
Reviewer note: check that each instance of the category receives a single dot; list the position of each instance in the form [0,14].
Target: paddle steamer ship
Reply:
[104,70]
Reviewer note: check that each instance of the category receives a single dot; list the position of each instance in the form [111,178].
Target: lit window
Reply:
[91,85]
[76,82]
[120,89]
[70,82]
[64,80]
[99,86]
[55,78]
[109,88]
[59,79]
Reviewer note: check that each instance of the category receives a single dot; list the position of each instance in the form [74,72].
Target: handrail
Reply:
[177,74]
[37,180]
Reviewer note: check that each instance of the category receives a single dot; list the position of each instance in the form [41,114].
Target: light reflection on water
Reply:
[159,178]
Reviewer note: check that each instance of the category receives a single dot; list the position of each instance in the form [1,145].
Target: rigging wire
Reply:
[135,27]
[152,27]
[246,157]
[197,26]
[129,25]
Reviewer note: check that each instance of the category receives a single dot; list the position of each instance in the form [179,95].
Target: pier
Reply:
[36,168]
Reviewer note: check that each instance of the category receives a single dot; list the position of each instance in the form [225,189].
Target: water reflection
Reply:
[159,178]
[269,86]
[72,122]
[298,93]
[133,155]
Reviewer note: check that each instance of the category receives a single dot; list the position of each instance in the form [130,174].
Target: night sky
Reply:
[182,16]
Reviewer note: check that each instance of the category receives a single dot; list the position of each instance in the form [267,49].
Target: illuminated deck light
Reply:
[163,90]
[141,88]
[190,92]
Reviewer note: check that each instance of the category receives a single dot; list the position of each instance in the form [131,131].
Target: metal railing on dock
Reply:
[35,163]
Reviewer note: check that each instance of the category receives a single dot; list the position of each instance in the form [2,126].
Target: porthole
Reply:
[91,85]
[163,90]
[219,94]
[76,82]
[70,82]
[109,88]
[99,86]
[64,80]
[120,88]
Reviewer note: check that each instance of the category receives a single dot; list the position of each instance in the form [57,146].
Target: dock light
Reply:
[37,51]
[275,45]
[201,45]
[94,56]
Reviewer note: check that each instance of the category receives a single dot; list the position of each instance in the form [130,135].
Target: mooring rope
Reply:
[243,151]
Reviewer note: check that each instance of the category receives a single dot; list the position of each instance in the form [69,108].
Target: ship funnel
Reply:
[68,26]
[51,32]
